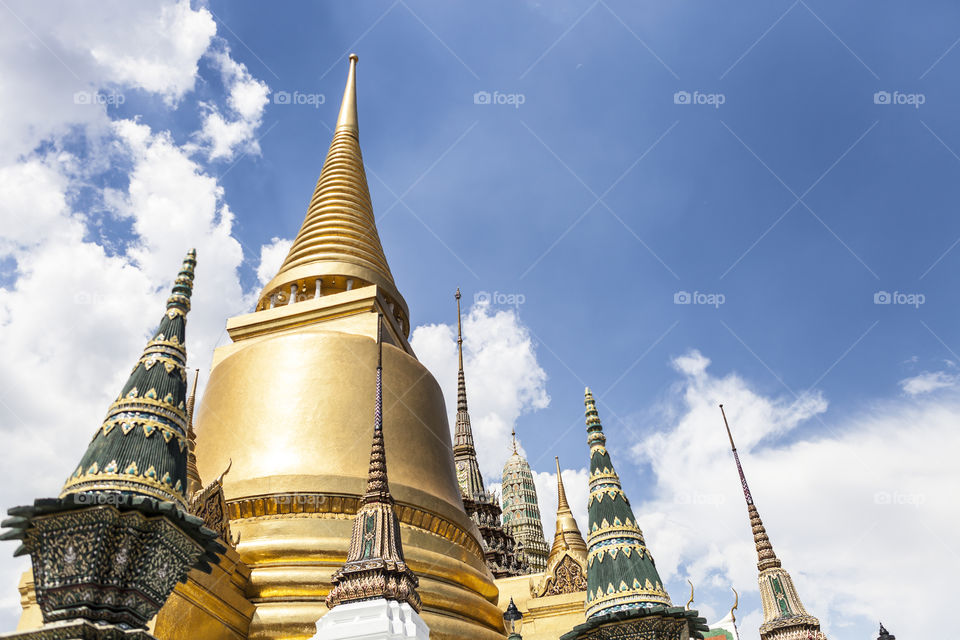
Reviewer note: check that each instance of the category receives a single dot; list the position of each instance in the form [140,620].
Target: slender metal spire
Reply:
[464,450]
[377,485]
[765,554]
[461,380]
[194,482]
[513,435]
[783,612]
[375,566]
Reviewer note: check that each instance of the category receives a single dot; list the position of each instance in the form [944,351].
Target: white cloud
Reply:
[79,307]
[845,508]
[504,379]
[271,257]
[927,381]
[55,61]
[247,97]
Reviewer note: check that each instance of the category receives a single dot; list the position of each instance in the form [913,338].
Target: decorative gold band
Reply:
[280,504]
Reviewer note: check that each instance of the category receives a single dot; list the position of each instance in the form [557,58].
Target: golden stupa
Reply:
[288,404]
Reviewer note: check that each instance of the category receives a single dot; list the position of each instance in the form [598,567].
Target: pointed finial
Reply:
[736,457]
[194,483]
[513,434]
[690,601]
[736,603]
[179,300]
[562,504]
[347,119]
[377,487]
[459,330]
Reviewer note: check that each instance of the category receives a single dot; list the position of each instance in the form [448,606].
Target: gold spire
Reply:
[338,247]
[194,483]
[566,570]
[347,119]
[568,537]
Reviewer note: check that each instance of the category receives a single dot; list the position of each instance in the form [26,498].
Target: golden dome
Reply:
[291,403]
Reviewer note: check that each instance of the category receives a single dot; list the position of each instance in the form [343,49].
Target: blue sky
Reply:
[816,183]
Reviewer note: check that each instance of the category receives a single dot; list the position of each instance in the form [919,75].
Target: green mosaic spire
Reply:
[141,447]
[621,574]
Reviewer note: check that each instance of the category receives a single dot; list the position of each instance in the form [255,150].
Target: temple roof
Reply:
[141,447]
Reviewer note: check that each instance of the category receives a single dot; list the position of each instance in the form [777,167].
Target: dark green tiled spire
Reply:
[141,447]
[621,574]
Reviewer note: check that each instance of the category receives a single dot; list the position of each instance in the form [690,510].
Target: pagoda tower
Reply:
[499,546]
[521,510]
[108,552]
[784,617]
[375,593]
[566,570]
[288,400]
[626,598]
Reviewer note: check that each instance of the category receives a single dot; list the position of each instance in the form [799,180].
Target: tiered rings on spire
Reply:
[338,247]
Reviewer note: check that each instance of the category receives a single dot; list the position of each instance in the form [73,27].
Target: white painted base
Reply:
[372,620]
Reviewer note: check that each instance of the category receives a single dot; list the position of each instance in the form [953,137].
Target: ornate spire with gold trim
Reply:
[338,247]
[566,570]
[625,596]
[784,617]
[375,567]
[621,571]
[141,446]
